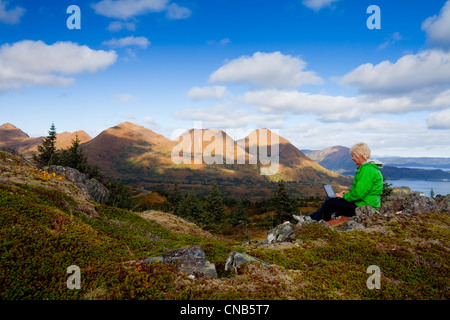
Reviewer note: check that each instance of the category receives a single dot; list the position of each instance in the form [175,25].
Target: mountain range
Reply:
[145,159]
[15,138]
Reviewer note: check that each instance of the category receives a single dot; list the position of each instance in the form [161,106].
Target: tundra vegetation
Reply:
[44,229]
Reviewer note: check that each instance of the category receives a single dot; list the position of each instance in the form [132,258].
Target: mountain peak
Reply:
[129,126]
[7,126]
[11,134]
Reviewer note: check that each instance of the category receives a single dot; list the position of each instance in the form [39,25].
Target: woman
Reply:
[366,189]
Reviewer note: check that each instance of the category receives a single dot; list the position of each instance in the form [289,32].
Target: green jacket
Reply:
[367,185]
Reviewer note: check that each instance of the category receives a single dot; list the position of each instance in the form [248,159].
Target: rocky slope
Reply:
[47,224]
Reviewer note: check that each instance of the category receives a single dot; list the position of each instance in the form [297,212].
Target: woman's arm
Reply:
[362,187]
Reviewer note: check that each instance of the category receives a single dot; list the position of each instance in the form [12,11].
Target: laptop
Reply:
[329,190]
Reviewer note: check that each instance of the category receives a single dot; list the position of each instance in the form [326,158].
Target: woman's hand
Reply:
[340,194]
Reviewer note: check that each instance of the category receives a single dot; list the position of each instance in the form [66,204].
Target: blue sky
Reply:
[311,69]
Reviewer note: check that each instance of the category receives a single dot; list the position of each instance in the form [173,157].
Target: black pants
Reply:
[339,206]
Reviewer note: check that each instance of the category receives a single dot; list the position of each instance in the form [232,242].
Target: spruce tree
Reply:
[387,190]
[283,205]
[47,154]
[175,197]
[191,208]
[214,205]
[74,157]
[239,215]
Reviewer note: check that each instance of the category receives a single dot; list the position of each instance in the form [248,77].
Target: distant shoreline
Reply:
[425,186]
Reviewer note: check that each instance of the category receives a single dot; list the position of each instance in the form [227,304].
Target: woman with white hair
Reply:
[366,189]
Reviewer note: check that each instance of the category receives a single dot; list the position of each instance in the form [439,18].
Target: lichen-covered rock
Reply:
[191,260]
[351,225]
[94,189]
[442,203]
[282,232]
[236,259]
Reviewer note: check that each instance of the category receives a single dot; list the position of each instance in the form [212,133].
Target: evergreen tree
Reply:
[175,197]
[432,194]
[214,205]
[239,215]
[74,157]
[283,205]
[387,190]
[191,208]
[47,154]
[120,194]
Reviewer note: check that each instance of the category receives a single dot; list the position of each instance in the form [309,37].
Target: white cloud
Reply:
[393,38]
[437,27]
[11,16]
[175,12]
[228,116]
[439,120]
[384,137]
[213,92]
[115,26]
[142,42]
[149,120]
[27,63]
[338,108]
[428,70]
[124,97]
[267,70]
[126,9]
[222,42]
[316,5]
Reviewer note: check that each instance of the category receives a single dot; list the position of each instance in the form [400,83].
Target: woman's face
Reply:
[357,160]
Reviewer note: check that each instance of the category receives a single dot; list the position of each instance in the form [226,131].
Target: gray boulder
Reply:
[362,213]
[413,204]
[442,203]
[282,232]
[94,189]
[351,225]
[191,260]
[236,259]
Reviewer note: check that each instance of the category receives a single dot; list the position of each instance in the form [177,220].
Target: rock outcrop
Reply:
[94,189]
[236,259]
[414,204]
[365,215]
[191,260]
[281,233]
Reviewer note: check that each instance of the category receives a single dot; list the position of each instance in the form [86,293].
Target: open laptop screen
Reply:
[329,190]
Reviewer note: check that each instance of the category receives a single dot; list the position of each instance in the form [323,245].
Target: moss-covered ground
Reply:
[42,232]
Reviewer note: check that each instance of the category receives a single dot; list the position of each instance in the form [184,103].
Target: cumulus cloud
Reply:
[329,108]
[384,137]
[437,27]
[115,26]
[439,120]
[142,42]
[427,69]
[11,16]
[126,9]
[229,116]
[267,70]
[213,92]
[27,63]
[316,5]
[175,12]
